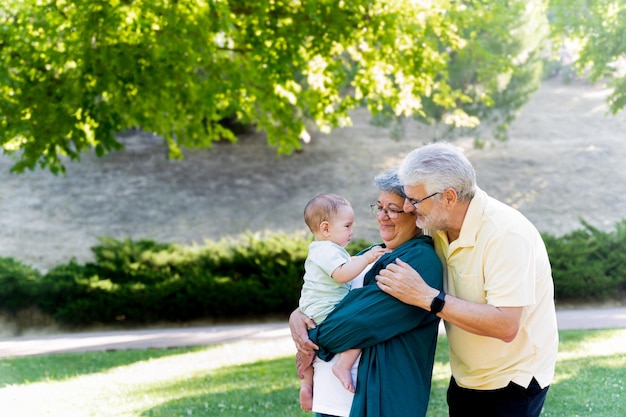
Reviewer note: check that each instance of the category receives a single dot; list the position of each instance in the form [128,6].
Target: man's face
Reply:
[428,207]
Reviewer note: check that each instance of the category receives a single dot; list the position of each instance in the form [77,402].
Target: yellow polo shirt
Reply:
[500,259]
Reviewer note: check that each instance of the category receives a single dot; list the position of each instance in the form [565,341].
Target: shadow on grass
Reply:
[58,367]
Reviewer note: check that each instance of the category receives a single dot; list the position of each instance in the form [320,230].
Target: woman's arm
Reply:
[299,323]
[367,316]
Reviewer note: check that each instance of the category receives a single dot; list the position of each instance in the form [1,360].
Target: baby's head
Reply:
[330,217]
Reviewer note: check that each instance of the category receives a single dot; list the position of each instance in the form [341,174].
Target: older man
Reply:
[498,298]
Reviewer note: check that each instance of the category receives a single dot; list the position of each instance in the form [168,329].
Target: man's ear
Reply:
[450,197]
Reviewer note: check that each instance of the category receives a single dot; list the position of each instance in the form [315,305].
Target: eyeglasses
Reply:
[389,212]
[416,202]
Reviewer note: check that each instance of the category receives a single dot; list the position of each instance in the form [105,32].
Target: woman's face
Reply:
[395,232]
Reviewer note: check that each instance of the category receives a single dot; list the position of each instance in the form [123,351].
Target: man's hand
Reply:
[401,281]
[299,324]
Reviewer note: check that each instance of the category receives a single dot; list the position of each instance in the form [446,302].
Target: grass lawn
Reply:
[258,379]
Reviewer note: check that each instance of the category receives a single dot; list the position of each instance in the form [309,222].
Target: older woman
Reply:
[398,340]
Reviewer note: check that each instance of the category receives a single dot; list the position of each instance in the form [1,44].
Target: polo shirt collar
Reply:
[473,220]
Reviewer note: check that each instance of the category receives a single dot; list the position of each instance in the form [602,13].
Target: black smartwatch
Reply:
[438,302]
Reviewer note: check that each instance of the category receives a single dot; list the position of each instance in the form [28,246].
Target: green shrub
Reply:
[588,264]
[18,285]
[138,282]
[128,261]
[63,286]
[357,246]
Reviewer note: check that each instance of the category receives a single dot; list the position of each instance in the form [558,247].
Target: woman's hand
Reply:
[299,324]
[401,281]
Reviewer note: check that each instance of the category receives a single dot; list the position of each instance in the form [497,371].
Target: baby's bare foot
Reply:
[345,377]
[306,397]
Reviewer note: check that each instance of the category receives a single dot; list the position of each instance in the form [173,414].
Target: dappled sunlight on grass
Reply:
[258,378]
[267,388]
[589,380]
[590,375]
[59,367]
[592,343]
[437,405]
[130,389]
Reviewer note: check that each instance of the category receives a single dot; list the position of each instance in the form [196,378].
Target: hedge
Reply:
[139,282]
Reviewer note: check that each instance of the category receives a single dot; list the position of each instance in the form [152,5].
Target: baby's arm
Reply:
[348,271]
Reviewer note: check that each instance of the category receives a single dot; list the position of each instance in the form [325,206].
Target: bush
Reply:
[65,286]
[138,282]
[588,264]
[127,261]
[18,285]
[143,281]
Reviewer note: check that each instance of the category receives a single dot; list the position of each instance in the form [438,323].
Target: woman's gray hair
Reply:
[439,166]
[389,182]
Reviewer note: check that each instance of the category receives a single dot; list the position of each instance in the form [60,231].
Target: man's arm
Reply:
[404,283]
[483,319]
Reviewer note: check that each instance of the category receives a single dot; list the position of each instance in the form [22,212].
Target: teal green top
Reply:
[398,340]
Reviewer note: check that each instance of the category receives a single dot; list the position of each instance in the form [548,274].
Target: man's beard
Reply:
[436,220]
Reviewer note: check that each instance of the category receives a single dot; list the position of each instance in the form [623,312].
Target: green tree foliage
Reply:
[499,67]
[596,30]
[73,74]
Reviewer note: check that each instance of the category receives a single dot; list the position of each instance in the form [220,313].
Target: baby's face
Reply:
[340,228]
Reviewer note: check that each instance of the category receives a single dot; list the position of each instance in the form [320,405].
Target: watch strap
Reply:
[438,302]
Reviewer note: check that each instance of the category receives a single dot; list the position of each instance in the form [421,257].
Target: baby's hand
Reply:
[375,253]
